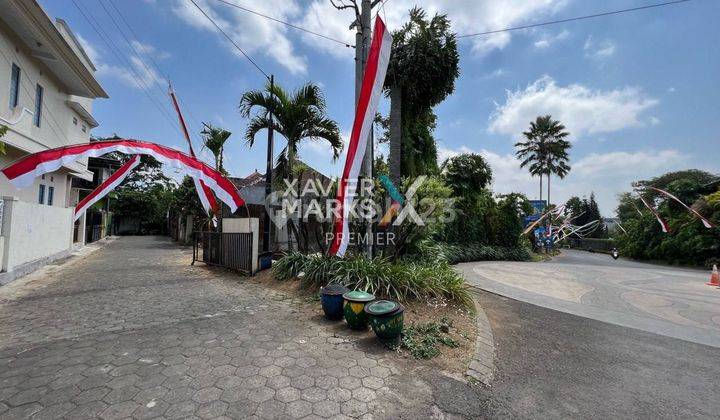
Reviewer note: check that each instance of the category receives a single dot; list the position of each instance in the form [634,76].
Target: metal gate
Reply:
[229,250]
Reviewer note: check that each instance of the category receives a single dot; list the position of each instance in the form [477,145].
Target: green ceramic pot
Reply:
[354,309]
[386,317]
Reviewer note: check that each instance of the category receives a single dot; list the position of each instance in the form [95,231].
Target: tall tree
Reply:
[545,151]
[467,174]
[297,116]
[424,65]
[214,138]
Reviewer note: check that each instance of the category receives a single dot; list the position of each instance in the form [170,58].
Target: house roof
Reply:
[54,46]
[257,179]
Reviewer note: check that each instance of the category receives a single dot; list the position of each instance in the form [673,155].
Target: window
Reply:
[14,86]
[51,194]
[84,129]
[38,104]
[74,121]
[41,194]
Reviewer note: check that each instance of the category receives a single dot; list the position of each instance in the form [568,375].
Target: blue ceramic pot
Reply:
[331,297]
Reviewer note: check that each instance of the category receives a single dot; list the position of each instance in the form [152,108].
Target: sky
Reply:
[639,92]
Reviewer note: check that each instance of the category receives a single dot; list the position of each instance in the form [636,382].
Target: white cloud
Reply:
[582,110]
[467,16]
[606,174]
[141,75]
[547,40]
[254,34]
[494,74]
[150,50]
[599,50]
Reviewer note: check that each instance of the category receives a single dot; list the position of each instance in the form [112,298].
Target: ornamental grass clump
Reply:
[400,280]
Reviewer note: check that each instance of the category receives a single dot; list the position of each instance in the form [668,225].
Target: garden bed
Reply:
[461,324]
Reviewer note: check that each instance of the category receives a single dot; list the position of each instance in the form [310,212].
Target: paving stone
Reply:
[54,411]
[260,394]
[326,408]
[135,331]
[271,409]
[339,395]
[212,409]
[151,409]
[354,408]
[314,394]
[207,395]
[120,410]
[298,409]
[182,409]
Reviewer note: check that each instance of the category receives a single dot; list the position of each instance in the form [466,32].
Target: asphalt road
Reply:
[556,365]
[670,301]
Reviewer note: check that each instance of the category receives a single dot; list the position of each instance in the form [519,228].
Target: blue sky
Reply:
[639,92]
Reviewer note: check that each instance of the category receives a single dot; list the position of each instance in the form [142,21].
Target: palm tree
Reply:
[214,139]
[546,150]
[297,116]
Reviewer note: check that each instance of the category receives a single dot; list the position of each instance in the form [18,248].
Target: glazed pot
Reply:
[386,317]
[354,309]
[331,297]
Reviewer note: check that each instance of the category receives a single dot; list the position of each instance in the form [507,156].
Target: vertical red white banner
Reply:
[708,224]
[663,224]
[370,92]
[204,193]
[108,185]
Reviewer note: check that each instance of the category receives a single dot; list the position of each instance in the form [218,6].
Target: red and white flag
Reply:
[370,92]
[108,185]
[204,193]
[705,221]
[663,224]
[22,172]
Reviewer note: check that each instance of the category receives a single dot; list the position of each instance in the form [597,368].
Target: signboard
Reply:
[538,206]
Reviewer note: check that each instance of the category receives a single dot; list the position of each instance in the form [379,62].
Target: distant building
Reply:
[252,190]
[47,87]
[611,223]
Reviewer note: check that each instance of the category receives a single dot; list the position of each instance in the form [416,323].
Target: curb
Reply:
[482,366]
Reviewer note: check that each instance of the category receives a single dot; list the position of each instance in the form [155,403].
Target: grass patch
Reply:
[400,280]
[423,340]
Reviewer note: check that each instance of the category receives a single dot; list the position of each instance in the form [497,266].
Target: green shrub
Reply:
[402,280]
[438,252]
[477,252]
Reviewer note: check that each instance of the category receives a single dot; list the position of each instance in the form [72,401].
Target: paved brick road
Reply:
[133,331]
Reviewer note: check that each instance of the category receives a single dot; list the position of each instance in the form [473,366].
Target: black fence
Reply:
[229,250]
[92,233]
[594,244]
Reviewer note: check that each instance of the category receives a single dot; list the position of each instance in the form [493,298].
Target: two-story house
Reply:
[47,86]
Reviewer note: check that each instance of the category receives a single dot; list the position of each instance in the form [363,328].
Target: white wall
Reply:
[34,232]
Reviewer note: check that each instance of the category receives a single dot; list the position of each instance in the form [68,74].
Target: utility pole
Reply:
[269,171]
[363,47]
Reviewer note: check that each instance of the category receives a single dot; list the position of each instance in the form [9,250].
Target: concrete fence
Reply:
[32,235]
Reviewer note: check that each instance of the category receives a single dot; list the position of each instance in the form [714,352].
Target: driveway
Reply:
[133,331]
[670,301]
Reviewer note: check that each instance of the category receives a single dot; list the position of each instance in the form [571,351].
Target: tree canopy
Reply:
[467,173]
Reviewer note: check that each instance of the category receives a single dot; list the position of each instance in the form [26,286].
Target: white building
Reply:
[47,86]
